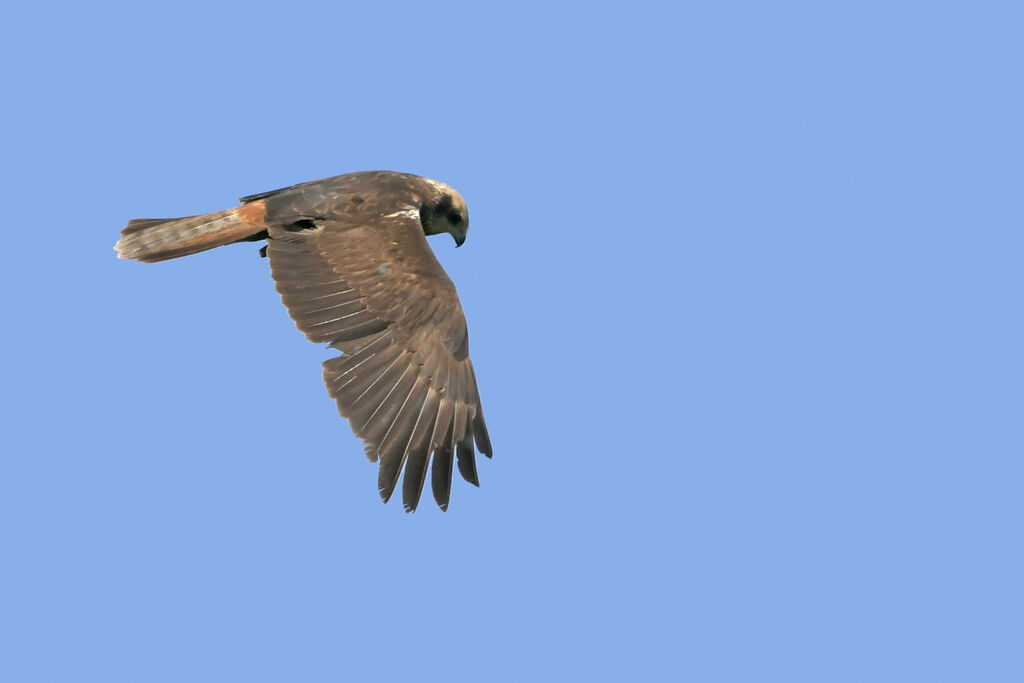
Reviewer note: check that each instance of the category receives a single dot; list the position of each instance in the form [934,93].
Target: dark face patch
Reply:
[430,215]
[454,217]
[443,206]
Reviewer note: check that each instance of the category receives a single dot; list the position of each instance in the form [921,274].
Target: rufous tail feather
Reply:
[159,239]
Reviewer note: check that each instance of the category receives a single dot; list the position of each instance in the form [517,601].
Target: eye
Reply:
[454,217]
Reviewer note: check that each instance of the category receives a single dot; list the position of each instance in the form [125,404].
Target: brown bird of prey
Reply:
[350,259]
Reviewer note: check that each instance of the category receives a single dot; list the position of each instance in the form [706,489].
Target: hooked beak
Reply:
[459,239]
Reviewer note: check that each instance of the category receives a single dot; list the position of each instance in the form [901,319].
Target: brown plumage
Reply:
[352,264]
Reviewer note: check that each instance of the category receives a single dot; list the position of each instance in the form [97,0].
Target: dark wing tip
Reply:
[483,439]
[467,462]
[415,476]
[441,476]
[387,477]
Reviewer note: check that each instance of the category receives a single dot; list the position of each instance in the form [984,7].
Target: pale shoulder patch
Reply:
[410,212]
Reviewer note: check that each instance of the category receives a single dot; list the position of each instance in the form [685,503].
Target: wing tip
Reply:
[480,434]
[467,462]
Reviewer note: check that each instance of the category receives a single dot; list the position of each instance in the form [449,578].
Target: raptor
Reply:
[350,258]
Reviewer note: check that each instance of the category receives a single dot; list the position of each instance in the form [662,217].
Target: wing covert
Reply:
[371,287]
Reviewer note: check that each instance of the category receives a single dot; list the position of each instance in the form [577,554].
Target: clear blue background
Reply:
[744,291]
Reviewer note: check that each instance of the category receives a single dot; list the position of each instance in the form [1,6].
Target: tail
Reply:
[159,239]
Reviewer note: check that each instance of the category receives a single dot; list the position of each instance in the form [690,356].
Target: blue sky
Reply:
[743,286]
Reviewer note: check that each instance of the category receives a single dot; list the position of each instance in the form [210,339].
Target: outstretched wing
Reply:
[370,286]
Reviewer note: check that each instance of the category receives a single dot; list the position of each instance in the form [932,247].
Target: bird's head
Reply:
[445,213]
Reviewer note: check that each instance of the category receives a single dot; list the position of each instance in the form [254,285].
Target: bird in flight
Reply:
[350,258]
